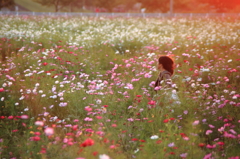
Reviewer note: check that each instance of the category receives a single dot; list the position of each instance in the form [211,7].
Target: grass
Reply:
[37,7]
[34,6]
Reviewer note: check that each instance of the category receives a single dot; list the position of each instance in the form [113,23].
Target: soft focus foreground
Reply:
[81,87]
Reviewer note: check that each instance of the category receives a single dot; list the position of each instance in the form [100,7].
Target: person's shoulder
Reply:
[166,72]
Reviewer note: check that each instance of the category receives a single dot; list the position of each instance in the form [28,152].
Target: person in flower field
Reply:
[166,68]
[164,83]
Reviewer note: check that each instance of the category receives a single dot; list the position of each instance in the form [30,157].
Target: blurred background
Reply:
[123,6]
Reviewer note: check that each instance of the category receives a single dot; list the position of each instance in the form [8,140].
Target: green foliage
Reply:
[57,3]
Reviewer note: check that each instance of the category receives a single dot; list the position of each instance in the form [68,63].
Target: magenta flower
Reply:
[152,102]
[1,89]
[211,146]
[87,108]
[208,156]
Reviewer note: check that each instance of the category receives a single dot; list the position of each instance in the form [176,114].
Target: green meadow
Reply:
[83,87]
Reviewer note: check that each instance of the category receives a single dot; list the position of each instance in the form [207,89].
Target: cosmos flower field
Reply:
[82,88]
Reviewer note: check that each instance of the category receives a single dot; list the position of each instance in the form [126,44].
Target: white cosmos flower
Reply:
[154,137]
[104,156]
[205,70]
[98,101]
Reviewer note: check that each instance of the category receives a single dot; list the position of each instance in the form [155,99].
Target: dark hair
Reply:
[167,63]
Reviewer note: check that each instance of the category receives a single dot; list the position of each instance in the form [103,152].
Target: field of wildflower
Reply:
[82,88]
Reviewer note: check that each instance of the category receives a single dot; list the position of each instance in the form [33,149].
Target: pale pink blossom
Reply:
[88,119]
[196,122]
[24,116]
[49,131]
[183,155]
[211,126]
[104,156]
[208,132]
[39,123]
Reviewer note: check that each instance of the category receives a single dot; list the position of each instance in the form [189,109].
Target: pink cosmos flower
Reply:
[165,120]
[1,89]
[112,146]
[114,125]
[87,142]
[65,140]
[100,133]
[87,108]
[39,123]
[152,102]
[89,130]
[211,126]
[221,129]
[233,131]
[49,131]
[45,63]
[23,124]
[226,134]
[88,119]
[208,156]
[75,120]
[128,65]
[220,143]
[10,117]
[24,116]
[211,146]
[99,117]
[36,138]
[74,127]
[63,104]
[147,75]
[171,144]
[237,157]
[195,122]
[208,132]
[157,88]
[183,155]
[131,119]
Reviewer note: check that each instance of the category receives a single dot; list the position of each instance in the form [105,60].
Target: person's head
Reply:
[167,63]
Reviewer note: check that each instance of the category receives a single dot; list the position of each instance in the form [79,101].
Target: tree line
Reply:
[160,6]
